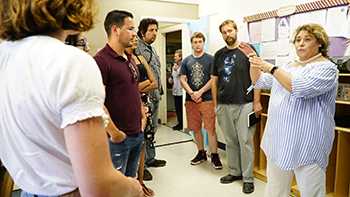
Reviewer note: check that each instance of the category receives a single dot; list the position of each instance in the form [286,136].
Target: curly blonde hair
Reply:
[319,33]
[23,18]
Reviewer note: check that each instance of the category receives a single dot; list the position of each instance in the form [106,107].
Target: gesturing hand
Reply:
[247,50]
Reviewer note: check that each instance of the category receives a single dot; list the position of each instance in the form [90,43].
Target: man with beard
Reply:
[147,34]
[121,80]
[230,83]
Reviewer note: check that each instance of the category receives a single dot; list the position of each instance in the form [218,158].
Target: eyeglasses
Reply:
[83,44]
[132,70]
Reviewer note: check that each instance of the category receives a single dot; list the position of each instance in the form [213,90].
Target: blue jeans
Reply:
[126,154]
[25,194]
[150,153]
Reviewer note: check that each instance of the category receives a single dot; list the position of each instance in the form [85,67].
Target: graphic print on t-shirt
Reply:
[228,64]
[197,74]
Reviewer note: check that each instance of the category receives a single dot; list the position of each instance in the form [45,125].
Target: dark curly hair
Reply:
[23,18]
[144,23]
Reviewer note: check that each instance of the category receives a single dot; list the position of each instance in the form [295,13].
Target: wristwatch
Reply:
[272,70]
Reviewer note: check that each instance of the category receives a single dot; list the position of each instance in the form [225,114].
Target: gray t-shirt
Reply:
[197,71]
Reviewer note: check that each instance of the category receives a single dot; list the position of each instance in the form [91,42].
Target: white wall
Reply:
[220,10]
[97,37]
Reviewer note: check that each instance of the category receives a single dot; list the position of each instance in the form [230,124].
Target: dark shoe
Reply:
[177,127]
[201,156]
[147,176]
[248,188]
[230,178]
[157,163]
[215,160]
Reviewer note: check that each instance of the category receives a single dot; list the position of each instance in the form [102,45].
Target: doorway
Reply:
[173,42]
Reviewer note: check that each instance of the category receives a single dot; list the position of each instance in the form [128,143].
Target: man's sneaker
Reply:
[248,188]
[157,163]
[215,160]
[177,127]
[201,156]
[230,178]
[147,176]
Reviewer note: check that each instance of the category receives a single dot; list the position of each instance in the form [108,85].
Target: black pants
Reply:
[178,109]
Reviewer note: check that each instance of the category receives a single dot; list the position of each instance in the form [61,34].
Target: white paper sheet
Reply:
[336,21]
[268,30]
[283,29]
[268,50]
[283,46]
[255,32]
[317,16]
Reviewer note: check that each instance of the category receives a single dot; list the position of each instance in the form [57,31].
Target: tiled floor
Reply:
[179,178]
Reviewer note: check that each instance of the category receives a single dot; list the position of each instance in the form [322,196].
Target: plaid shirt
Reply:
[145,50]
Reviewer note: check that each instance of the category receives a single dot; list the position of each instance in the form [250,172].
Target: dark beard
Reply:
[232,41]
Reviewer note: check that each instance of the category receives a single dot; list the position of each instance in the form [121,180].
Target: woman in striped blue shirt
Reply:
[299,131]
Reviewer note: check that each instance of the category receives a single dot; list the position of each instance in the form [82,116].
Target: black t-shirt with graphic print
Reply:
[197,71]
[232,68]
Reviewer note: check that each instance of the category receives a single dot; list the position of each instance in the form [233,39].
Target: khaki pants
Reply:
[232,119]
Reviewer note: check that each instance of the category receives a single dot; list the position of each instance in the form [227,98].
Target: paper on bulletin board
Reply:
[268,50]
[316,16]
[336,21]
[268,30]
[255,32]
[243,32]
[282,60]
[283,28]
[292,53]
[283,46]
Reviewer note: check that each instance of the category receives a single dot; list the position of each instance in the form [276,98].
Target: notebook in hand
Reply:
[252,119]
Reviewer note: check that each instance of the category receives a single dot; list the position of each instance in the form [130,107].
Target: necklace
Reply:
[311,58]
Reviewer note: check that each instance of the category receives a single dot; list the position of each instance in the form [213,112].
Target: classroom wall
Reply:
[221,10]
[97,37]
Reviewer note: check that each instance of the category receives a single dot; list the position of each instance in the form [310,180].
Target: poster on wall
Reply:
[201,25]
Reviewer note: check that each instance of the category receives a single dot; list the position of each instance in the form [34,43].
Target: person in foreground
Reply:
[121,79]
[230,81]
[300,125]
[195,79]
[147,34]
[52,123]
[147,83]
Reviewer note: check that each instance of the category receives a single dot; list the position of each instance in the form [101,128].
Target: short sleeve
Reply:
[79,89]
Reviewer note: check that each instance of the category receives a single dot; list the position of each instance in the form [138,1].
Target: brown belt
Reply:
[74,193]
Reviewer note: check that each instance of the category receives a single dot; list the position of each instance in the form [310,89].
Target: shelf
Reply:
[342,129]
[342,102]
[260,174]
[265,94]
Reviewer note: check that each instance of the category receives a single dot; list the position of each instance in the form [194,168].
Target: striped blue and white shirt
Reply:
[300,126]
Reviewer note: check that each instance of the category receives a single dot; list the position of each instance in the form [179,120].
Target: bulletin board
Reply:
[272,32]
